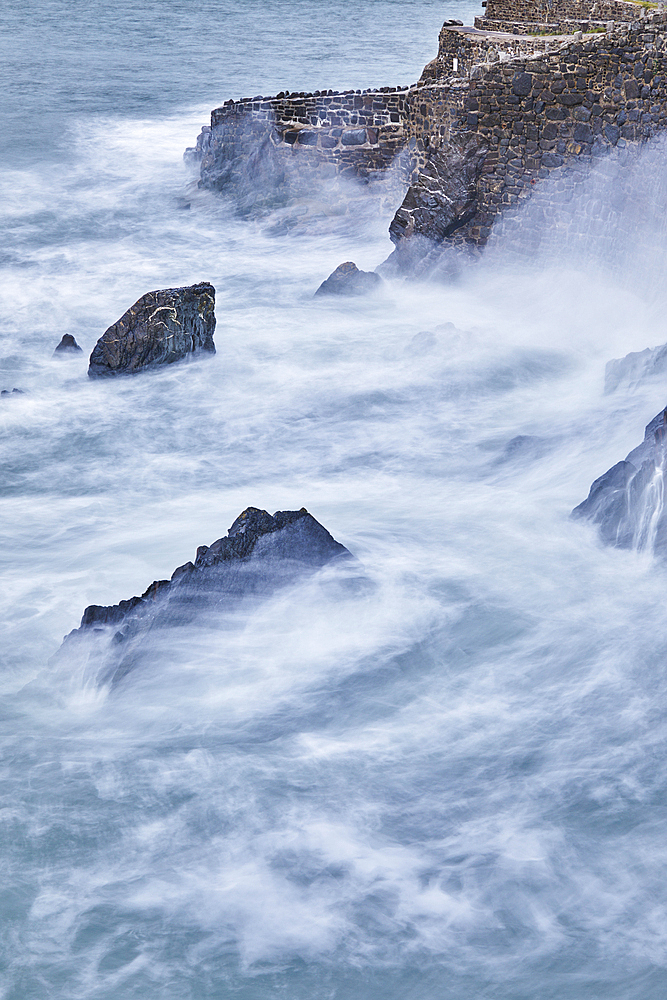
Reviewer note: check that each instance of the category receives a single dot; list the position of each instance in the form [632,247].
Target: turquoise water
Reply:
[450,783]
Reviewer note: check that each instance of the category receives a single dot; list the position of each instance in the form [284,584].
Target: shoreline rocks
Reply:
[627,502]
[347,279]
[160,328]
[635,368]
[67,345]
[261,553]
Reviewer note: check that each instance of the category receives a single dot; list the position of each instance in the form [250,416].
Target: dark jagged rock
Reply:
[68,345]
[444,195]
[7,392]
[347,279]
[162,327]
[260,553]
[627,502]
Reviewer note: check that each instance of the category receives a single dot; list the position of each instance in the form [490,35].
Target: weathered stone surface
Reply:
[354,137]
[522,84]
[261,553]
[627,502]
[347,279]
[161,327]
[444,195]
[535,103]
[67,345]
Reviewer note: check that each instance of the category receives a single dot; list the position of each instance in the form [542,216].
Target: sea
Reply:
[447,781]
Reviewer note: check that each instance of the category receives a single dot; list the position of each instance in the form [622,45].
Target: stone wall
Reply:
[281,141]
[547,11]
[533,116]
[475,136]
[560,27]
[460,49]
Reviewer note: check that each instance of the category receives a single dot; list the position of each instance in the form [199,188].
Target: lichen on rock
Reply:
[161,327]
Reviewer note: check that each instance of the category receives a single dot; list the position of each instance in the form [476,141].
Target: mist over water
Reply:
[442,775]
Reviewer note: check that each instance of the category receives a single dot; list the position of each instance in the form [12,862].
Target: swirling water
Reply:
[447,783]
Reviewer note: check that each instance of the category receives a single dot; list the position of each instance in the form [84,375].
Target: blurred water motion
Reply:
[445,779]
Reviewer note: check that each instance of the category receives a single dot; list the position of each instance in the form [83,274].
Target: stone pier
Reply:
[492,116]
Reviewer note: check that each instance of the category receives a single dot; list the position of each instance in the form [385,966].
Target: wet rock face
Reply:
[444,196]
[68,345]
[347,279]
[261,553]
[627,502]
[635,368]
[162,327]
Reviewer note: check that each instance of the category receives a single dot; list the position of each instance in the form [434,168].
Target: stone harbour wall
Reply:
[547,11]
[491,117]
[561,27]
[354,133]
[536,115]
[460,49]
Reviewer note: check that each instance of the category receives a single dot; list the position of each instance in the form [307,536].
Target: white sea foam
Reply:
[443,781]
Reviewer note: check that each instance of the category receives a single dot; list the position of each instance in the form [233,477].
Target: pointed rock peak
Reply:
[306,546]
[68,345]
[347,279]
[252,521]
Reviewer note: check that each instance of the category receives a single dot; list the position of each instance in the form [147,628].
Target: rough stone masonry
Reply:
[492,116]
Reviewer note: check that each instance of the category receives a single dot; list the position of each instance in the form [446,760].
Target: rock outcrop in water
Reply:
[67,345]
[347,279]
[627,502]
[160,328]
[261,553]
[635,367]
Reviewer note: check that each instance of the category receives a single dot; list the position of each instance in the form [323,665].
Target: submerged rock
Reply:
[260,553]
[347,279]
[627,502]
[68,345]
[160,328]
